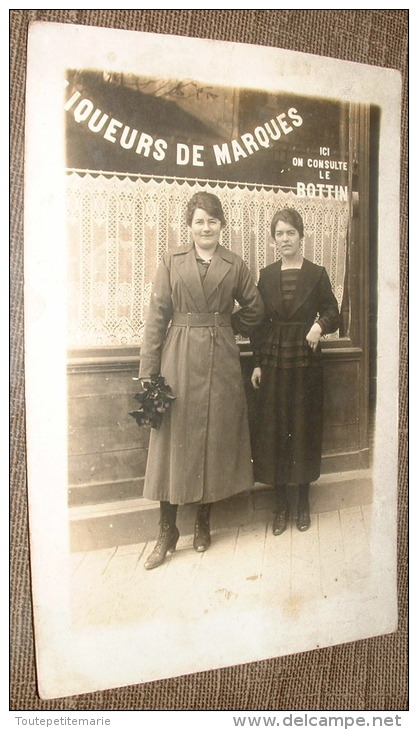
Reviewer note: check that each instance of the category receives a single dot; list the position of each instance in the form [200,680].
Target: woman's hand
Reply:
[313,336]
[256,378]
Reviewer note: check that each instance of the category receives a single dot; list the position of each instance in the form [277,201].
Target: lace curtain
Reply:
[119,227]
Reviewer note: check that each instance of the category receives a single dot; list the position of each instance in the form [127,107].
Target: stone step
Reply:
[128,522]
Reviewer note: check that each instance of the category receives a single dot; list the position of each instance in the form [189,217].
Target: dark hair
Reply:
[208,202]
[287,215]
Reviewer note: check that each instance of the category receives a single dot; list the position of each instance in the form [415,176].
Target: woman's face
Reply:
[205,229]
[287,239]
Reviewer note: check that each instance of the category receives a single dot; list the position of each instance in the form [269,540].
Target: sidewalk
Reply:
[245,565]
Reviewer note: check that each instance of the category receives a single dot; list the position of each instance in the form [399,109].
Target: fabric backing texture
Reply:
[364,675]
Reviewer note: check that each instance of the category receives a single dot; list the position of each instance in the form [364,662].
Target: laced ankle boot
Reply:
[202,540]
[281,515]
[303,520]
[168,537]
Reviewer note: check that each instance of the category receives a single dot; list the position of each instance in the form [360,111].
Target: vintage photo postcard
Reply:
[211,324]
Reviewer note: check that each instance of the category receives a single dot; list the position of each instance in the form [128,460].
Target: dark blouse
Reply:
[202,266]
[290,278]
[280,342]
[285,345]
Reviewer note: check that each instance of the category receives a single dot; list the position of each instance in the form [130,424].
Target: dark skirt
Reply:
[287,428]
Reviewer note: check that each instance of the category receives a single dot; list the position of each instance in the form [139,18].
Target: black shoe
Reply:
[303,520]
[166,543]
[280,520]
[202,540]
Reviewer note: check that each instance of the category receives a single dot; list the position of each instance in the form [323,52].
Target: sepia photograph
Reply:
[211,274]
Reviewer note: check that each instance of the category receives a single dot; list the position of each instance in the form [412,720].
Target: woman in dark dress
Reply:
[300,308]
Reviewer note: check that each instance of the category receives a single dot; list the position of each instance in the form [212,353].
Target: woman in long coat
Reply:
[201,453]
[300,308]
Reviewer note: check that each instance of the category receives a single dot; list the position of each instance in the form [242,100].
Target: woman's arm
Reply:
[159,315]
[257,334]
[251,312]
[329,316]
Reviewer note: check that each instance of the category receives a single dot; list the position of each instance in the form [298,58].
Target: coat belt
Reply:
[200,319]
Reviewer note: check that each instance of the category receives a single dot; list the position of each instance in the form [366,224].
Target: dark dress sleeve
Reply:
[329,316]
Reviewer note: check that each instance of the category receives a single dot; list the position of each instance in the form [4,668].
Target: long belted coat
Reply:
[201,452]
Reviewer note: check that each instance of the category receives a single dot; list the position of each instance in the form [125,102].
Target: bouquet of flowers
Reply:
[154,400]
